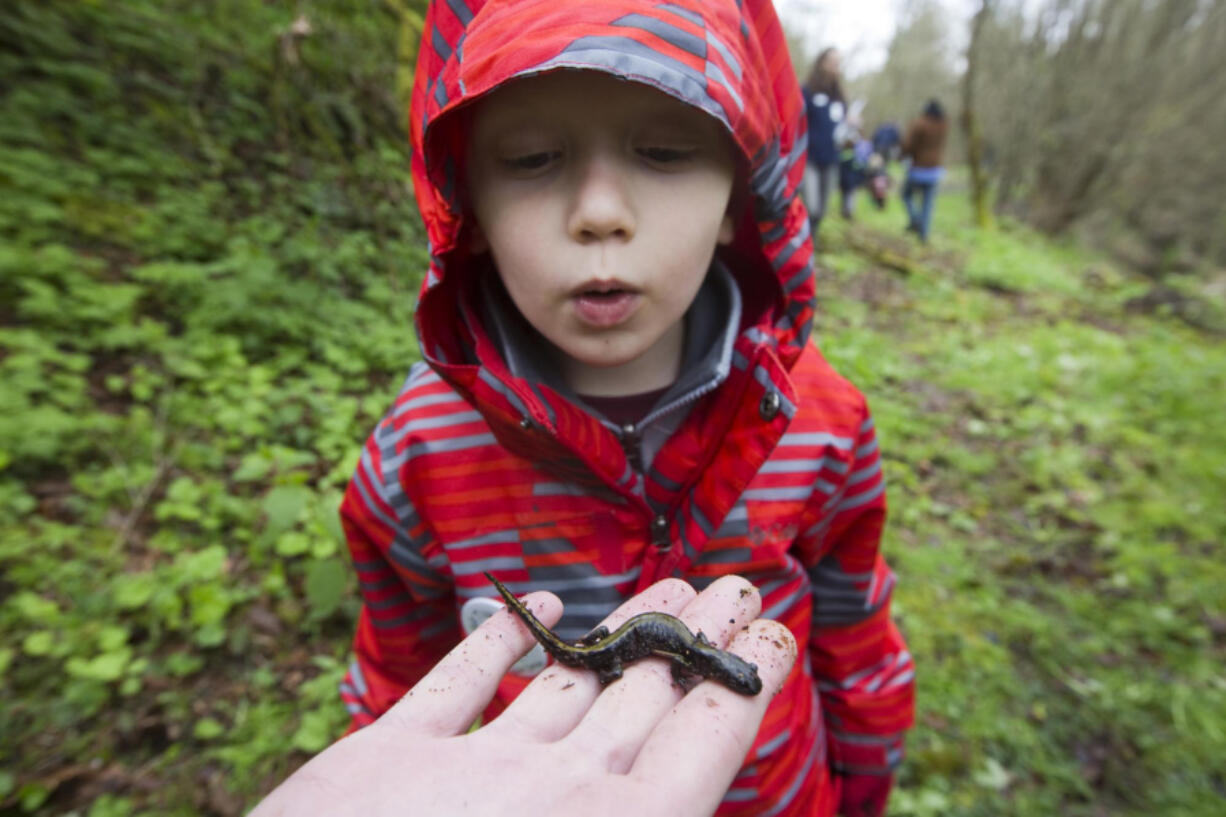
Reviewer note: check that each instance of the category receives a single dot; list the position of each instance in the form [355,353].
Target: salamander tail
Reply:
[552,644]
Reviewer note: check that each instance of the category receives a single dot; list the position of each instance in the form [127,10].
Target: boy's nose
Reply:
[602,207]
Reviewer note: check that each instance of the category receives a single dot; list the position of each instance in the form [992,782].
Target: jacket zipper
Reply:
[630,436]
[631,440]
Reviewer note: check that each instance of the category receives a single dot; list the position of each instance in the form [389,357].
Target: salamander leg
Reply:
[595,636]
[679,666]
[607,675]
[703,640]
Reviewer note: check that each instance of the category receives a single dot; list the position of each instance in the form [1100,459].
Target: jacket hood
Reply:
[726,58]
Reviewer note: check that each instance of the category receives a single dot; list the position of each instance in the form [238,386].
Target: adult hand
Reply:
[565,746]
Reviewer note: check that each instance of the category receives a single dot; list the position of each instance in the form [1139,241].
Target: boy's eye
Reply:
[666,155]
[527,162]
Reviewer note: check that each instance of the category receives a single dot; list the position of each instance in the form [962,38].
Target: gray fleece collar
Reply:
[711,326]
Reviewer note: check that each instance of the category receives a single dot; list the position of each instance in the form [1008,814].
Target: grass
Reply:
[1056,476]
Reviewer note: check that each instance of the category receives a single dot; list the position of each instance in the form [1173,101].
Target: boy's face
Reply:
[601,202]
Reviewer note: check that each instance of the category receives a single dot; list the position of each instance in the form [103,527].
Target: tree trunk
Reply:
[970,126]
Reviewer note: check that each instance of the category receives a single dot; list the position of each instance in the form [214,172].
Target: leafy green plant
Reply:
[208,254]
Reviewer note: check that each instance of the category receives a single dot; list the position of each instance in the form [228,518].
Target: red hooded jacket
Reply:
[763,462]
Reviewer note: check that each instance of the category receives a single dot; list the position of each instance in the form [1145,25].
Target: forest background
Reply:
[209,256]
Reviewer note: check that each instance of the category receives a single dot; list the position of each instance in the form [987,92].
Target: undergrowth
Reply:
[1055,467]
[208,265]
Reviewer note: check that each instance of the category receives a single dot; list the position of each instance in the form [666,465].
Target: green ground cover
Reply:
[1056,471]
[208,261]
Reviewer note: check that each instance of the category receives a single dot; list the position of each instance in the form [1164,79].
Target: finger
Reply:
[558,698]
[704,738]
[451,696]
[622,718]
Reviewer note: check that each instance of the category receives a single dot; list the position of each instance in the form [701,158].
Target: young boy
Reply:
[618,384]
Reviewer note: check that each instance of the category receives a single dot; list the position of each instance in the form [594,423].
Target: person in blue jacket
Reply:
[826,108]
[856,168]
[887,140]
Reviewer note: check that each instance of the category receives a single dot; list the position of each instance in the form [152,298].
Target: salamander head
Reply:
[744,679]
[735,673]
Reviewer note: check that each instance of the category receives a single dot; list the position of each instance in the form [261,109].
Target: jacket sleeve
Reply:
[408,620]
[862,667]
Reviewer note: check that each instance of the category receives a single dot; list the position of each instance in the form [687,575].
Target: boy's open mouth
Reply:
[603,293]
[603,304]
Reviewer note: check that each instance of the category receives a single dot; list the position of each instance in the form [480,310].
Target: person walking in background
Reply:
[825,108]
[886,139]
[853,167]
[924,145]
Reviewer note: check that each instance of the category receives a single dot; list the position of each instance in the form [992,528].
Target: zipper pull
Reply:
[630,444]
[659,533]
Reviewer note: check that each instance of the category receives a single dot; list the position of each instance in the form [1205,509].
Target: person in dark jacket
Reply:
[853,168]
[924,145]
[886,140]
[825,109]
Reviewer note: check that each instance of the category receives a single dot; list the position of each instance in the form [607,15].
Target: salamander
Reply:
[641,636]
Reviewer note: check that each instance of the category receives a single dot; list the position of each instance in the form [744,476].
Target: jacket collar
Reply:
[711,326]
